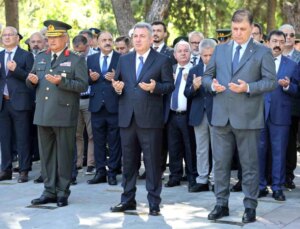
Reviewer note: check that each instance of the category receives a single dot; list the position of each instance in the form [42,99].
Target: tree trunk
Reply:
[12,13]
[271,15]
[292,12]
[124,16]
[158,10]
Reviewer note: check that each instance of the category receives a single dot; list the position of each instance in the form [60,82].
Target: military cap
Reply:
[20,36]
[223,34]
[95,31]
[56,28]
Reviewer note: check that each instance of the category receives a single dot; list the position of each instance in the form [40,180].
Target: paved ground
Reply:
[89,208]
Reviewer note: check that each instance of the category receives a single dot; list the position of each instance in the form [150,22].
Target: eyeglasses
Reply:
[290,34]
[255,34]
[9,35]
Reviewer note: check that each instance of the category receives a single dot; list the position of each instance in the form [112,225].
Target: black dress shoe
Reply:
[172,183]
[62,201]
[143,176]
[98,178]
[249,215]
[278,195]
[290,184]
[112,180]
[39,180]
[237,187]
[23,177]
[154,210]
[199,188]
[263,192]
[5,175]
[73,181]
[218,212]
[121,207]
[184,178]
[213,188]
[43,200]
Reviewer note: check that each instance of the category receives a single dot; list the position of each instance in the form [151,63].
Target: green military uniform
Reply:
[56,116]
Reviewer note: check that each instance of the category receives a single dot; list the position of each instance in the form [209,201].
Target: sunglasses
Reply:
[290,34]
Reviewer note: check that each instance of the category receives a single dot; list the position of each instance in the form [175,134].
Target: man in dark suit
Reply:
[16,104]
[277,117]
[58,76]
[195,38]
[142,78]
[104,111]
[239,73]
[200,115]
[291,152]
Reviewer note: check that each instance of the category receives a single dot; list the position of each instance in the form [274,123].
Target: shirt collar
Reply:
[57,53]
[244,46]
[109,54]
[12,51]
[145,55]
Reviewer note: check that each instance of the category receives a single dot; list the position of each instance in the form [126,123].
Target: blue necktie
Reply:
[194,60]
[236,58]
[104,66]
[141,64]
[174,104]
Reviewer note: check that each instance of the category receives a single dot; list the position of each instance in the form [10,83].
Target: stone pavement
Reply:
[89,208]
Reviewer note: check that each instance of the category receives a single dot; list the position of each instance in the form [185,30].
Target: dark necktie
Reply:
[155,48]
[194,60]
[53,59]
[104,66]
[236,58]
[174,105]
[7,60]
[141,64]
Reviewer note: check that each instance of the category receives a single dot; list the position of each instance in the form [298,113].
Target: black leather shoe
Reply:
[5,175]
[263,192]
[143,176]
[121,207]
[218,212]
[237,187]
[62,201]
[39,180]
[73,181]
[43,200]
[154,210]
[278,195]
[98,178]
[112,180]
[23,177]
[249,215]
[172,183]
[213,188]
[199,188]
[290,184]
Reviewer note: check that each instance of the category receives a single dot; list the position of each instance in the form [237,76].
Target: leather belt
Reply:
[84,96]
[178,112]
[6,97]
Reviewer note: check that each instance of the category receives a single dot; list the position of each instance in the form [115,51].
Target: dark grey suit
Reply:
[237,117]
[56,116]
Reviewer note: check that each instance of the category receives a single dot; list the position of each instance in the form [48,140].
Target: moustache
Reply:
[277,48]
[107,46]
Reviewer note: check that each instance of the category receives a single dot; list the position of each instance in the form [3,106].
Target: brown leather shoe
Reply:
[23,177]
[5,175]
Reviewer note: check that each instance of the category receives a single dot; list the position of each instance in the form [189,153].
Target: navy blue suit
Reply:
[141,121]
[104,117]
[277,112]
[15,113]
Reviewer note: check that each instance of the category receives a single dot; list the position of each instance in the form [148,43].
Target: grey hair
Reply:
[37,33]
[13,29]
[182,42]
[207,43]
[286,26]
[143,25]
[195,33]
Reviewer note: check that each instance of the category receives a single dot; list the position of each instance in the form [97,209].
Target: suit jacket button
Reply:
[46,98]
[68,104]
[47,88]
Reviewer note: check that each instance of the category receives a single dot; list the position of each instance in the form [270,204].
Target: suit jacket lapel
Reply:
[281,68]
[2,64]
[150,59]
[250,50]
[228,56]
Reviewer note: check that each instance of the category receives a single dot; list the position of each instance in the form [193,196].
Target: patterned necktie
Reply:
[104,65]
[7,60]
[141,64]
[53,60]
[194,60]
[236,58]
[174,104]
[155,48]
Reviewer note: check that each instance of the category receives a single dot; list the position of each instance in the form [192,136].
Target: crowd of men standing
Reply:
[203,102]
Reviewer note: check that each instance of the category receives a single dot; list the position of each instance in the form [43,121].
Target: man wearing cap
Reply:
[16,104]
[95,32]
[58,76]
[223,35]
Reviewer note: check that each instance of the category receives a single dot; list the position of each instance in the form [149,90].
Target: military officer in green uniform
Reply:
[58,76]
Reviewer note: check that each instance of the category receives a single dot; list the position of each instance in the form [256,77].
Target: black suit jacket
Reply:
[20,95]
[200,100]
[169,52]
[146,107]
[102,93]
